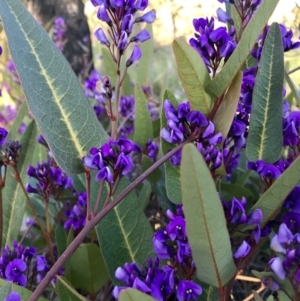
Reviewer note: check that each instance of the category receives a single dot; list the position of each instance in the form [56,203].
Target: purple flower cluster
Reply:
[152,150]
[286,264]
[90,87]
[18,263]
[126,112]
[120,18]
[8,114]
[160,282]
[235,214]
[113,155]
[50,180]
[76,216]
[181,123]
[11,152]
[213,45]
[59,32]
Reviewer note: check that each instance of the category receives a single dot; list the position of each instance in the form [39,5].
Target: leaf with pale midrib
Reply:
[205,221]
[265,136]
[53,92]
[124,234]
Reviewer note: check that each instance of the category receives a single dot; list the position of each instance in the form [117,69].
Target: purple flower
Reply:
[127,23]
[242,251]
[292,202]
[270,171]
[141,37]
[148,17]
[176,228]
[3,135]
[292,221]
[123,41]
[103,15]
[160,286]
[135,55]
[105,174]
[100,36]
[15,272]
[124,164]
[13,296]
[284,234]
[255,217]
[188,290]
[196,118]
[277,267]
[224,17]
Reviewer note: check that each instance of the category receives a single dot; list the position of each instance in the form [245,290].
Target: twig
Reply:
[92,223]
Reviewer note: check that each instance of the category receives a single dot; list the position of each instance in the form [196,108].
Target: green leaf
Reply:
[53,92]
[40,154]
[142,123]
[271,201]
[60,238]
[254,28]
[172,172]
[227,110]
[147,163]
[294,89]
[14,203]
[234,190]
[125,234]
[205,222]
[131,294]
[5,290]
[265,130]
[257,297]
[18,121]
[193,74]
[24,293]
[209,293]
[281,296]
[145,62]
[66,292]
[144,195]
[156,128]
[111,71]
[94,275]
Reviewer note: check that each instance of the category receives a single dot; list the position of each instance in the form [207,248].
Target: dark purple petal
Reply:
[223,16]
[148,17]
[101,37]
[135,55]
[142,36]
[242,251]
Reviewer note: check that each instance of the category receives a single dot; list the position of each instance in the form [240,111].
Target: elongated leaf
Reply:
[257,297]
[147,163]
[193,74]
[66,292]
[14,203]
[172,172]
[60,238]
[131,294]
[18,121]
[145,62]
[142,123]
[40,154]
[53,92]
[281,295]
[227,110]
[111,71]
[125,234]
[255,26]
[206,225]
[5,290]
[265,130]
[294,89]
[271,201]
[24,293]
[144,195]
[233,190]
[94,275]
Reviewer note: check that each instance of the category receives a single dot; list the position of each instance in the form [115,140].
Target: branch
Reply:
[92,223]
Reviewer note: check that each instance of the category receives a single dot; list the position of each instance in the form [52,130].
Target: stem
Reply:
[48,219]
[114,131]
[45,234]
[294,70]
[98,198]
[92,223]
[88,194]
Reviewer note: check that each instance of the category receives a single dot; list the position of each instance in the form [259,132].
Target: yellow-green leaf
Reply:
[193,74]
